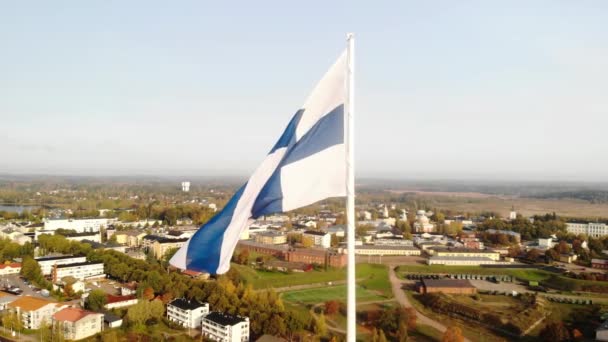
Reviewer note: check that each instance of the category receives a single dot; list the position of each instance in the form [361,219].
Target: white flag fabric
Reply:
[306,165]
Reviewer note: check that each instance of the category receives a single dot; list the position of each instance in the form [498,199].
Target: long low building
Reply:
[451,286]
[469,253]
[462,261]
[80,271]
[47,263]
[591,229]
[386,250]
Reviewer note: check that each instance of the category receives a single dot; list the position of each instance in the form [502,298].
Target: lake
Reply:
[16,208]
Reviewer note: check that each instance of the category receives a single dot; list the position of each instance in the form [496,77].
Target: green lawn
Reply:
[523,274]
[371,277]
[336,292]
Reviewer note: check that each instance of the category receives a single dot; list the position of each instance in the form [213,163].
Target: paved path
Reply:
[401,297]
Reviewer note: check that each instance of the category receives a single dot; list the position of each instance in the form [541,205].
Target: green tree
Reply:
[320,327]
[96,300]
[156,309]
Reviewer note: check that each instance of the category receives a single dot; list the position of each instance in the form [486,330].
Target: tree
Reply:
[382,336]
[96,300]
[320,327]
[138,314]
[533,254]
[452,334]
[552,254]
[562,247]
[402,334]
[307,241]
[332,307]
[156,309]
[148,293]
[555,332]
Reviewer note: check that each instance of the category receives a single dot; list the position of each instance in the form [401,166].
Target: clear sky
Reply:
[449,89]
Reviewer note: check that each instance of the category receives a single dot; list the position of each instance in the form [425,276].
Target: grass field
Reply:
[370,277]
[523,274]
[337,292]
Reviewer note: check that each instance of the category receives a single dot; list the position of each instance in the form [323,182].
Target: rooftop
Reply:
[116,299]
[314,232]
[387,247]
[59,257]
[28,303]
[72,314]
[186,304]
[460,258]
[465,250]
[11,265]
[461,283]
[224,318]
[76,264]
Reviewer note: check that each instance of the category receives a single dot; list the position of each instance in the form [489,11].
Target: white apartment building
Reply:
[592,229]
[188,313]
[33,311]
[320,239]
[77,324]
[222,327]
[47,263]
[80,271]
[79,225]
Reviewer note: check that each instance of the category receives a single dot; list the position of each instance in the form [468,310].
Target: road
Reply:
[399,293]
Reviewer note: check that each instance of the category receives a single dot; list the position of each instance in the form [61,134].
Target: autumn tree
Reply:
[148,293]
[320,326]
[332,307]
[452,334]
[555,332]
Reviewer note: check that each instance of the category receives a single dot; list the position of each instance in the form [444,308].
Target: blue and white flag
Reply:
[306,165]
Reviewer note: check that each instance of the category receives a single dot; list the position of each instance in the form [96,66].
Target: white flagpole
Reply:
[351,306]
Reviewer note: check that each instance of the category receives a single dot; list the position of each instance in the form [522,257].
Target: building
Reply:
[449,286]
[469,253]
[393,242]
[599,263]
[33,310]
[80,271]
[516,236]
[88,236]
[423,224]
[316,256]
[131,238]
[78,225]
[592,229]
[187,313]
[546,243]
[111,320]
[568,258]
[321,239]
[271,237]
[386,250]
[261,248]
[6,299]
[12,268]
[462,261]
[114,302]
[222,327]
[47,263]
[162,245]
[77,324]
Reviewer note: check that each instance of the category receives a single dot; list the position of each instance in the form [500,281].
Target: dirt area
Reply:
[477,202]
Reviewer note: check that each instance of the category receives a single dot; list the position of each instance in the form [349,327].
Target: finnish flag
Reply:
[306,165]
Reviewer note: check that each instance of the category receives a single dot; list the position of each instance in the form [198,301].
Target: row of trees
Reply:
[228,293]
[541,227]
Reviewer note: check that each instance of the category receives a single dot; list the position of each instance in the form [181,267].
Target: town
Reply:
[96,267]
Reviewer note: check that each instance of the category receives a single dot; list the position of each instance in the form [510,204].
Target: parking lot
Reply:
[15,280]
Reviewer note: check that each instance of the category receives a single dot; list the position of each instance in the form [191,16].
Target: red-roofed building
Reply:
[196,274]
[77,324]
[12,268]
[113,302]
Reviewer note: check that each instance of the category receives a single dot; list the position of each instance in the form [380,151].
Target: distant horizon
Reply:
[241,177]
[475,90]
